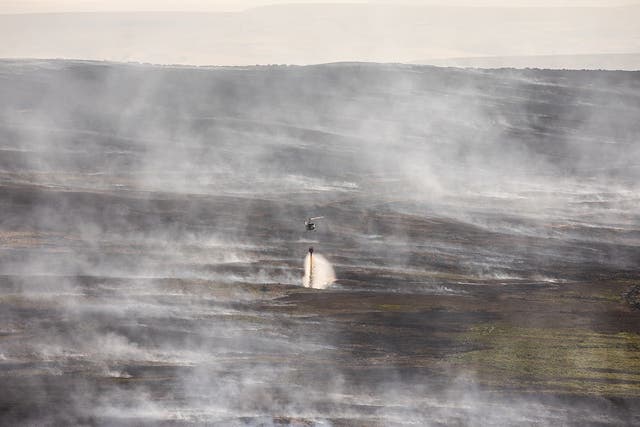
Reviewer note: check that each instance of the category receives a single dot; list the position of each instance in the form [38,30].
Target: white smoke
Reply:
[318,274]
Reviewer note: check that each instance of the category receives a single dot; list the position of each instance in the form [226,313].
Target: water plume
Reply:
[318,271]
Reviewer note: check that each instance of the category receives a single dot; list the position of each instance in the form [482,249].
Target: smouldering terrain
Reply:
[483,226]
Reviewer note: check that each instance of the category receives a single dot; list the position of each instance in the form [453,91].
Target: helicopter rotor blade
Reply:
[316,217]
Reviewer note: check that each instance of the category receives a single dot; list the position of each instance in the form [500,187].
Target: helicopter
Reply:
[310,225]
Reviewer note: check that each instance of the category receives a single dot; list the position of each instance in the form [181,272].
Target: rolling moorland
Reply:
[483,226]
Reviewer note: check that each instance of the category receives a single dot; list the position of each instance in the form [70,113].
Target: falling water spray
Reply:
[318,272]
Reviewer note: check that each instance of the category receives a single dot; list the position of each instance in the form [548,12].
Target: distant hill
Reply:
[614,61]
[332,122]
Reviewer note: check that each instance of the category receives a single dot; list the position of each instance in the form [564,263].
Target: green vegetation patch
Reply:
[391,307]
[571,360]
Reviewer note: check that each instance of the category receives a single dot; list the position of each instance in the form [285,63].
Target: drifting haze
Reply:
[153,233]
[321,33]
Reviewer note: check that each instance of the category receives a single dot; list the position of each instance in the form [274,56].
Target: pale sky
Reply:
[46,6]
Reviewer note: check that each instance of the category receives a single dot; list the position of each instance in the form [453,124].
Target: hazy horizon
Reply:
[307,33]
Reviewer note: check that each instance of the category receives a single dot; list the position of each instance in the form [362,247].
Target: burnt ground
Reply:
[133,291]
[406,334]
